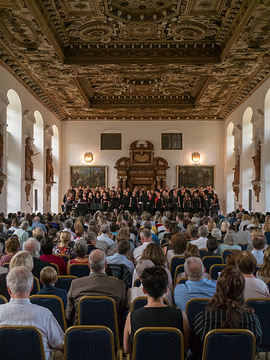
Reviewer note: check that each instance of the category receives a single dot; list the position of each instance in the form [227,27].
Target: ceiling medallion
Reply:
[95,31]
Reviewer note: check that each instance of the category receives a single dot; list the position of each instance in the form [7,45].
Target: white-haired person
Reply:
[230,240]
[22,232]
[19,311]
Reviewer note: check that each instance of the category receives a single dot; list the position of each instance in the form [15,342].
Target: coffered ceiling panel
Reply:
[137,59]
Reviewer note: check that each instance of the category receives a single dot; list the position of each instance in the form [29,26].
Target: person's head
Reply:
[192,251]
[32,246]
[97,260]
[65,237]
[68,224]
[24,225]
[246,262]
[203,231]
[212,244]
[12,244]
[104,229]
[38,234]
[146,235]
[211,225]
[216,233]
[22,258]
[265,268]
[19,282]
[193,232]
[230,296]
[123,247]
[81,248]
[230,238]
[178,243]
[155,281]
[259,242]
[225,225]
[154,253]
[15,222]
[36,219]
[48,276]
[46,245]
[91,238]
[143,264]
[230,259]
[194,268]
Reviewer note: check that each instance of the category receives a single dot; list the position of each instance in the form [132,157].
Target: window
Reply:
[171,141]
[110,141]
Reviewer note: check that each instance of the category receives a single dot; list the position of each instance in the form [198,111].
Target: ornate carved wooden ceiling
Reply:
[137,59]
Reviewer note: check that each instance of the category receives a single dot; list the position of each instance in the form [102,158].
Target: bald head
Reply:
[97,260]
[194,268]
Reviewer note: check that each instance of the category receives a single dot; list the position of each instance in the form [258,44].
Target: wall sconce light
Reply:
[196,157]
[88,157]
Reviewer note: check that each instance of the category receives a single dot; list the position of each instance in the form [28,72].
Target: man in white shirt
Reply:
[259,243]
[201,242]
[146,238]
[104,235]
[120,257]
[19,311]
[254,288]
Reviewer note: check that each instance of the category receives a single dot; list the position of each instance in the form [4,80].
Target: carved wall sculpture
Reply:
[137,60]
[29,166]
[257,163]
[49,167]
[141,168]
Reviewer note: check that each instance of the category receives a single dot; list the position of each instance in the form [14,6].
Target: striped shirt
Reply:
[208,320]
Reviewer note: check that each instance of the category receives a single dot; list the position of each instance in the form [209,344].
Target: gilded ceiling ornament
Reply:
[191,30]
[94,31]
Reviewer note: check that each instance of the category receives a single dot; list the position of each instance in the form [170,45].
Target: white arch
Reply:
[247,152]
[266,151]
[230,162]
[15,167]
[38,161]
[56,167]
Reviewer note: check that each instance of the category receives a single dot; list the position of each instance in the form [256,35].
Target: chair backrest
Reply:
[181,281]
[3,300]
[141,301]
[79,270]
[99,310]
[208,261]
[6,265]
[163,242]
[64,257]
[30,233]
[243,246]
[137,283]
[175,261]
[268,284]
[64,281]
[21,342]
[229,344]
[226,252]
[89,343]
[36,286]
[158,343]
[10,232]
[267,235]
[121,272]
[194,307]
[179,269]
[54,304]
[56,267]
[261,308]
[215,270]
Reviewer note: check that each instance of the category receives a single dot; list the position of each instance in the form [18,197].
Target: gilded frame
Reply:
[195,175]
[92,175]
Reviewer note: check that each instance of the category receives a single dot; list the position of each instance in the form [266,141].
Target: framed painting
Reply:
[196,175]
[83,175]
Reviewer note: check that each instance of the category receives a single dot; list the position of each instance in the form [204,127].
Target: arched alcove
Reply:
[267,150]
[247,153]
[230,162]
[38,161]
[15,166]
[55,154]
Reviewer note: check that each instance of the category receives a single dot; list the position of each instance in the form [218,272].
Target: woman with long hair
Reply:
[226,310]
[264,272]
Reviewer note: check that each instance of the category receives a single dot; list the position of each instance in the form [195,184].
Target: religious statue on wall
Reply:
[1,149]
[236,179]
[29,167]
[257,162]
[49,167]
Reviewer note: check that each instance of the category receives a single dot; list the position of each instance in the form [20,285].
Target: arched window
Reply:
[247,153]
[55,154]
[267,150]
[38,162]
[230,162]
[15,165]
